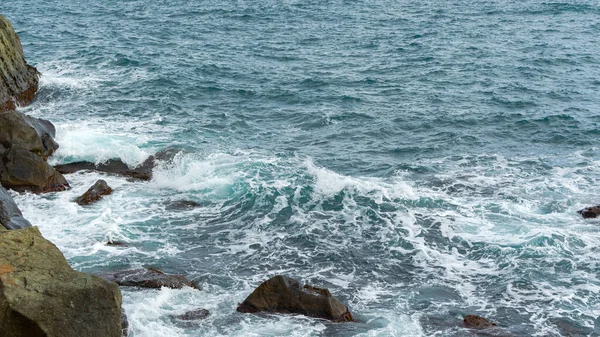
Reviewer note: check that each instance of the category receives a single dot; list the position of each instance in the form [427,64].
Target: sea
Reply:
[424,160]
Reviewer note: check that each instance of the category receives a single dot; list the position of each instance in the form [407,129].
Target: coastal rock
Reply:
[94,193]
[33,134]
[124,323]
[18,80]
[590,212]
[194,315]
[477,322]
[181,205]
[40,295]
[22,171]
[117,166]
[282,294]
[149,278]
[10,215]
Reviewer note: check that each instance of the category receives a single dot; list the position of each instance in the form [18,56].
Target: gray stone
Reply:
[10,215]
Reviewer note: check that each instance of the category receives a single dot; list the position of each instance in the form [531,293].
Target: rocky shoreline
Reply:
[40,294]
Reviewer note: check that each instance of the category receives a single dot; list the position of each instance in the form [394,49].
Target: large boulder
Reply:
[18,80]
[41,296]
[10,215]
[149,278]
[25,171]
[94,193]
[34,134]
[282,294]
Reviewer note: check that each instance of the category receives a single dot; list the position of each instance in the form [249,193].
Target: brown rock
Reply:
[22,171]
[94,193]
[18,80]
[149,278]
[590,212]
[477,322]
[282,294]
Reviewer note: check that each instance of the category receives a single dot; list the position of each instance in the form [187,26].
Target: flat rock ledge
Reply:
[41,296]
[149,278]
[282,294]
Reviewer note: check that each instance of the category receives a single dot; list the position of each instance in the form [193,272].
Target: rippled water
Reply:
[424,160]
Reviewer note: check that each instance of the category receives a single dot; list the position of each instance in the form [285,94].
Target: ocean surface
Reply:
[422,159]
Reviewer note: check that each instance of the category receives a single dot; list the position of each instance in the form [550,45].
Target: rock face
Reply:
[124,323]
[590,212]
[24,171]
[41,296]
[477,322]
[149,278]
[10,215]
[117,166]
[33,134]
[282,294]
[94,193]
[18,80]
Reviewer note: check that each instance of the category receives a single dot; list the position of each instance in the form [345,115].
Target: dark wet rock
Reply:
[124,323]
[590,212]
[181,205]
[33,134]
[41,296]
[194,315]
[10,215]
[24,171]
[116,243]
[149,278]
[94,193]
[282,294]
[477,322]
[117,166]
[18,80]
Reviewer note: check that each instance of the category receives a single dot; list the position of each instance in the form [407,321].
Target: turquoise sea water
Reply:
[422,159]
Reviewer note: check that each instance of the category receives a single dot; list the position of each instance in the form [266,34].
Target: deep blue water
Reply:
[422,159]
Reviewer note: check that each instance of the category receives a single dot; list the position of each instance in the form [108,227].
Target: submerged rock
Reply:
[149,278]
[590,212]
[477,322]
[33,134]
[181,205]
[22,170]
[40,295]
[10,215]
[94,193]
[194,315]
[282,294]
[18,80]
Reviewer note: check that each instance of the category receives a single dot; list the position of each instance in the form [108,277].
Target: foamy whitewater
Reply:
[422,160]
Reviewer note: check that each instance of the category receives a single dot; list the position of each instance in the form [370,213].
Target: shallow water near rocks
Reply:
[422,160]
